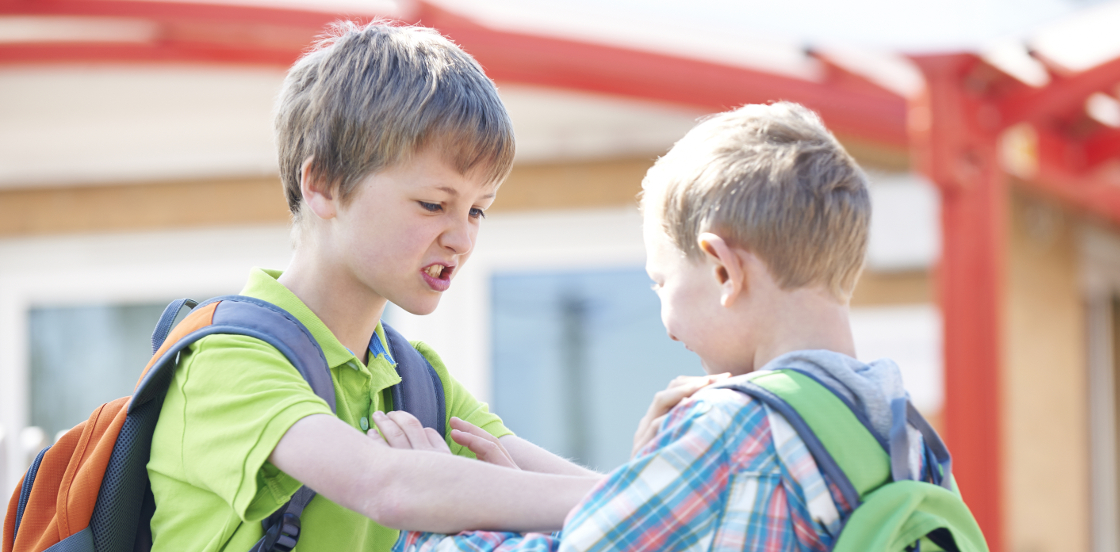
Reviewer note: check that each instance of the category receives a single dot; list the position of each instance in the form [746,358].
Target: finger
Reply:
[413,429]
[465,426]
[482,434]
[688,381]
[479,433]
[435,441]
[664,401]
[689,387]
[487,451]
[377,438]
[679,381]
[646,434]
[392,432]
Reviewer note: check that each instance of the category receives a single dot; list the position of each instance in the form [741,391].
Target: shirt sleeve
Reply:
[232,400]
[476,541]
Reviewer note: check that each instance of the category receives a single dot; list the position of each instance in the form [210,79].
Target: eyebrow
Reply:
[453,192]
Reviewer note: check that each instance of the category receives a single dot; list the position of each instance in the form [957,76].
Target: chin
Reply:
[713,369]
[709,369]
[420,308]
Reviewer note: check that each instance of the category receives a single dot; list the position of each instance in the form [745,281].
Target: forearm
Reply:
[533,458]
[419,490]
[442,493]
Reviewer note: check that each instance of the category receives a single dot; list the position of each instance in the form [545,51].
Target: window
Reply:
[83,356]
[577,356]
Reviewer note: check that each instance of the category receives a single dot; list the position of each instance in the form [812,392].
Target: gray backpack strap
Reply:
[248,316]
[420,391]
[241,315]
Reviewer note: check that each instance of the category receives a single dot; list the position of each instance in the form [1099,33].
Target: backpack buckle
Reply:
[283,535]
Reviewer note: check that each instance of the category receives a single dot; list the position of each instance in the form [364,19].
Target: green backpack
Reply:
[892,511]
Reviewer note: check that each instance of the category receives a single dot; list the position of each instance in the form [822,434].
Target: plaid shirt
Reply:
[724,473]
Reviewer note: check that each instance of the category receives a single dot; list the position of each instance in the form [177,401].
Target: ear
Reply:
[727,265]
[317,191]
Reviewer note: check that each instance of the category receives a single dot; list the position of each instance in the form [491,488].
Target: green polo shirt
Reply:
[230,402]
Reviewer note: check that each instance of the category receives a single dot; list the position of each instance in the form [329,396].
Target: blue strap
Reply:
[935,446]
[240,315]
[820,454]
[167,321]
[900,441]
[248,316]
[902,413]
[25,488]
[420,391]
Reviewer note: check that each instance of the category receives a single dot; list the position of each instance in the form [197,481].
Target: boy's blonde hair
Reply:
[365,98]
[770,179]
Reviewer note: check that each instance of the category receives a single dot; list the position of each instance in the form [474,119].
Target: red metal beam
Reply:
[1084,174]
[951,145]
[183,32]
[1101,147]
[237,34]
[1060,96]
[171,12]
[849,109]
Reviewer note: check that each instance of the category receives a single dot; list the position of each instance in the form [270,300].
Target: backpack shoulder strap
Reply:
[110,518]
[241,315]
[892,516]
[842,446]
[420,391]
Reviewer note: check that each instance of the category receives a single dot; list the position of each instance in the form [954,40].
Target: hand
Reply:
[402,430]
[679,389]
[485,446]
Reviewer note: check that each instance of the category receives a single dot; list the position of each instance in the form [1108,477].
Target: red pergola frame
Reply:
[952,131]
[206,33]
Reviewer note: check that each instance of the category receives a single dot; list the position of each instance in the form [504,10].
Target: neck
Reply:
[804,319]
[347,307]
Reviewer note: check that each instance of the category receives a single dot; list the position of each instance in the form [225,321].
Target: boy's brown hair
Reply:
[365,98]
[772,180]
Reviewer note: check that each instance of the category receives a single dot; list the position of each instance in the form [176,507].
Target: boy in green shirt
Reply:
[392,144]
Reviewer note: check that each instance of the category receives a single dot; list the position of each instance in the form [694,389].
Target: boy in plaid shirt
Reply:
[755,227]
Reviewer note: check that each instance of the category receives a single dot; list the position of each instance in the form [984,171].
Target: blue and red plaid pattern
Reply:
[723,473]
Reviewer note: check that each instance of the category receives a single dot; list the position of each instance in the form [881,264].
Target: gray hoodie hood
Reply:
[870,387]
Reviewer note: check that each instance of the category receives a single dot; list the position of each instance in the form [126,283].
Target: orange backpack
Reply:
[90,491]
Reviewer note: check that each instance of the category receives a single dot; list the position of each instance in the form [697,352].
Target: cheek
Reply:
[473,235]
[666,315]
[671,313]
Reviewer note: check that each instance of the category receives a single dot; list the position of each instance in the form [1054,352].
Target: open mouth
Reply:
[437,276]
[439,272]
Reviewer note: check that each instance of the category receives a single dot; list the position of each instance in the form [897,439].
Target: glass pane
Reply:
[577,357]
[84,356]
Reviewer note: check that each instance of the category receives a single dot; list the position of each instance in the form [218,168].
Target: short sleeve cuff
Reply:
[267,490]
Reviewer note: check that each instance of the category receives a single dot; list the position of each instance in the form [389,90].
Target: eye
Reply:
[477,213]
[431,207]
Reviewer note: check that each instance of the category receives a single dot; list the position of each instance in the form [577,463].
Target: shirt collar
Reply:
[262,285]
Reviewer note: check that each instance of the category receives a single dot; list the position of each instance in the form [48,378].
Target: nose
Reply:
[459,237]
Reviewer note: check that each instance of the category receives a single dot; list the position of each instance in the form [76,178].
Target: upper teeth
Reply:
[434,271]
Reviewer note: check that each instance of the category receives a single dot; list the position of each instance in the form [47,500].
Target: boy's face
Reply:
[690,301]
[407,230]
